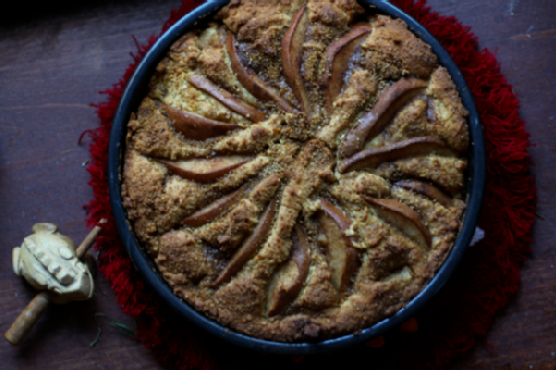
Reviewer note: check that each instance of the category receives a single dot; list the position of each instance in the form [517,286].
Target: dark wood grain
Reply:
[54,59]
[523,34]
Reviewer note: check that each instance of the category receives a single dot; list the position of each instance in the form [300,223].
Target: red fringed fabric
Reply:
[447,326]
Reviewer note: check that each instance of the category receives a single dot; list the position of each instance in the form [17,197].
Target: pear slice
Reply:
[251,82]
[338,56]
[193,126]
[337,215]
[215,209]
[203,171]
[389,103]
[427,190]
[402,217]
[252,244]
[292,56]
[226,98]
[288,282]
[403,149]
[340,260]
[343,258]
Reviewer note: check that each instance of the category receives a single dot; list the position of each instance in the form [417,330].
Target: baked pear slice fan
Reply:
[299,167]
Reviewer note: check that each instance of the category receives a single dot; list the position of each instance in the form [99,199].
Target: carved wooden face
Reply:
[47,261]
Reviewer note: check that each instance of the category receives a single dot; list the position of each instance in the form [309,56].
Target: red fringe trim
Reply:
[490,272]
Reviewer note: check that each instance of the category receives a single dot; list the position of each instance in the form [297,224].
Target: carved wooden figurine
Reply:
[50,262]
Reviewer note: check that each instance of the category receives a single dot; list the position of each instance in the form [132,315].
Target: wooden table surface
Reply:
[55,58]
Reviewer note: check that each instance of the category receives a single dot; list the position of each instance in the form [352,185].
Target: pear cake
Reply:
[296,168]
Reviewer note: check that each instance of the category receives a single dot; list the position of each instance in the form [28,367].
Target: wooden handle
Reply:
[27,319]
[89,240]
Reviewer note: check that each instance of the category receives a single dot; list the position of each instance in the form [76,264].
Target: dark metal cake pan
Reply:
[135,91]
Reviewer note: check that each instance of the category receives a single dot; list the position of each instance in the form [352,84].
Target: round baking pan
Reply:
[136,89]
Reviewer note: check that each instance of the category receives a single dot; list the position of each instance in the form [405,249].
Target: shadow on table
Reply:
[20,11]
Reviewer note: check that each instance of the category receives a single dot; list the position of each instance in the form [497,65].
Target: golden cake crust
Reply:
[296,169]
